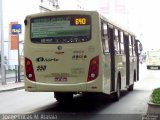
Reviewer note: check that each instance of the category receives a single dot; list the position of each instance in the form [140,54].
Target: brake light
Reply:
[93,69]
[29,69]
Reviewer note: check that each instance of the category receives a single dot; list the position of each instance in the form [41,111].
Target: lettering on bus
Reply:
[62,75]
[78,51]
[41,67]
[60,79]
[42,59]
[79,55]
[80,21]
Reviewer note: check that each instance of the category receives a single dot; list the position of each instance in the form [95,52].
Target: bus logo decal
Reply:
[42,59]
[59,47]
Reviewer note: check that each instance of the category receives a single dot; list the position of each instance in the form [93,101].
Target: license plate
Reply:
[60,79]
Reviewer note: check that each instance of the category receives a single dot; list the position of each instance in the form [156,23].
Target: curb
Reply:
[12,89]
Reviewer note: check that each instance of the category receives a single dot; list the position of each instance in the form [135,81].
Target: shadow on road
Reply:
[86,107]
[93,103]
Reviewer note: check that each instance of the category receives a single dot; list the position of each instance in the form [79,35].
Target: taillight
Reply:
[93,68]
[29,69]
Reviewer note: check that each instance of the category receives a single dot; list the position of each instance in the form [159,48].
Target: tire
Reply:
[63,97]
[117,94]
[131,87]
[148,67]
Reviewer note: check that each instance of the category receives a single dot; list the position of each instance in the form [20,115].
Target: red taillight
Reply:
[29,69]
[93,68]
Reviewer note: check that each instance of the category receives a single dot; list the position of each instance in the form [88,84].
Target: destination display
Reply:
[61,29]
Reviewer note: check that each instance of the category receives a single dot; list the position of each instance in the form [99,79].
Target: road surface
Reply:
[132,105]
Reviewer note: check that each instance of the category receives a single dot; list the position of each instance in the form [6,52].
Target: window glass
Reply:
[116,42]
[61,29]
[133,45]
[122,43]
[105,29]
[130,46]
[105,38]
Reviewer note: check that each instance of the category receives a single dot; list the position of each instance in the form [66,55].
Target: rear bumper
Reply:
[78,87]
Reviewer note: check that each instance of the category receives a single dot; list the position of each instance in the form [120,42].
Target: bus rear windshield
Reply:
[61,29]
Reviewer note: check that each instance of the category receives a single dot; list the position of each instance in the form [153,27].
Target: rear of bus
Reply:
[61,52]
[153,59]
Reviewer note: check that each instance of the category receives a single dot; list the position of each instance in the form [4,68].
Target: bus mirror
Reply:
[140,48]
[25,22]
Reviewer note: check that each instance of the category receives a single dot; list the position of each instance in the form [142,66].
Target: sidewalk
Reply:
[11,86]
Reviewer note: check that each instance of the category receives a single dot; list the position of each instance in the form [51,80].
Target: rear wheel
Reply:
[63,96]
[131,87]
[117,94]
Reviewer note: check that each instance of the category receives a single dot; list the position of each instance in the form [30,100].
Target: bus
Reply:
[153,59]
[74,51]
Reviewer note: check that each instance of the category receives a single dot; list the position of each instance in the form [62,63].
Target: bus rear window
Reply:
[61,29]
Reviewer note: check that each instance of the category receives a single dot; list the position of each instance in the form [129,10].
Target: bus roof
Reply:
[114,24]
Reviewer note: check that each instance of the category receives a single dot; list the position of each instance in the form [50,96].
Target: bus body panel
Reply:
[106,63]
[121,69]
[47,62]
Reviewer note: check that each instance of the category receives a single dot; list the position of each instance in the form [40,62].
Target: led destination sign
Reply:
[61,29]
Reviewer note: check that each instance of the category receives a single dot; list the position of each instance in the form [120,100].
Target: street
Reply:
[133,103]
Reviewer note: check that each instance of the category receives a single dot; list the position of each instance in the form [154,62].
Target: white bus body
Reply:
[68,52]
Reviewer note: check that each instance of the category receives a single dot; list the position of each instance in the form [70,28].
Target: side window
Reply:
[105,38]
[122,42]
[119,39]
[133,45]
[116,41]
[104,29]
[130,46]
[126,43]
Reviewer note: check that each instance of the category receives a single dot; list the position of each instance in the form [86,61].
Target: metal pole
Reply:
[19,79]
[2,45]
[16,74]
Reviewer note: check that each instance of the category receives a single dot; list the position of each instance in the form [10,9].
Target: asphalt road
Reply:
[132,105]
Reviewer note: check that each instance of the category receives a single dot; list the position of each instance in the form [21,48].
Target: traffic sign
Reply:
[16,29]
